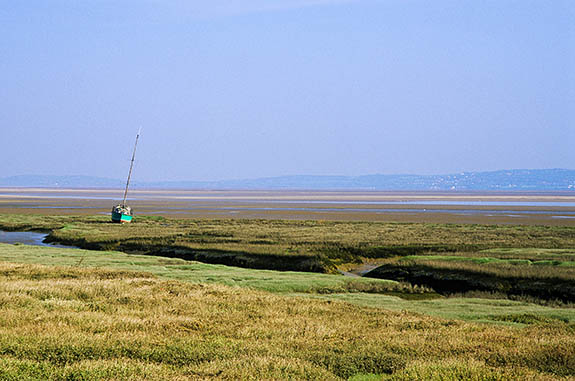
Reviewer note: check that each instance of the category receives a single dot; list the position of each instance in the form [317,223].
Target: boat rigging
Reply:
[122,213]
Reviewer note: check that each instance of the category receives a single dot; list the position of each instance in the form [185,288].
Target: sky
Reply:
[230,89]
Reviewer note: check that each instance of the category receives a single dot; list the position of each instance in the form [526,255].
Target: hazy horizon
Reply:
[226,90]
[507,180]
[295,175]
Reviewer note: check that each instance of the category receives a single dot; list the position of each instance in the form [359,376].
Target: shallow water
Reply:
[28,238]
[548,208]
[432,202]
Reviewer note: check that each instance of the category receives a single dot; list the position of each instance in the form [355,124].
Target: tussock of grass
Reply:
[90,325]
[123,369]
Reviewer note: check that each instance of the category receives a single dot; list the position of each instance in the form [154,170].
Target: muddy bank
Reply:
[450,281]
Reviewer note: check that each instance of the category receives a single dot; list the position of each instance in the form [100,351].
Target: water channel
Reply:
[28,238]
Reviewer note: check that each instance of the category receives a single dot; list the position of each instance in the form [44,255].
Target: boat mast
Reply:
[131,166]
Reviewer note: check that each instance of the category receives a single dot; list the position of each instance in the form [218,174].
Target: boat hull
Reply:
[121,218]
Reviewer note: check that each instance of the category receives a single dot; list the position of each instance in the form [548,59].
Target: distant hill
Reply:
[76,181]
[516,179]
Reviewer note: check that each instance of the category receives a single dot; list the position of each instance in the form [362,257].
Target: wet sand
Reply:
[541,208]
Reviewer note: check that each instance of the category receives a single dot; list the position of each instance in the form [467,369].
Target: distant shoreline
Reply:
[524,180]
[494,207]
[304,193]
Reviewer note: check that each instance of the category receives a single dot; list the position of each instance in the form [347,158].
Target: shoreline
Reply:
[551,208]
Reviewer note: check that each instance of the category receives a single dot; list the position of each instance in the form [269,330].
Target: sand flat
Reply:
[541,208]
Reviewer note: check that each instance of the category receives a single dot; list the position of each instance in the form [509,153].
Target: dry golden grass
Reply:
[69,323]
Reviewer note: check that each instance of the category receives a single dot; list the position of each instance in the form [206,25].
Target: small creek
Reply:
[360,270]
[28,238]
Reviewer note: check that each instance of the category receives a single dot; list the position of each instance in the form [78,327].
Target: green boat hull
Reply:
[120,217]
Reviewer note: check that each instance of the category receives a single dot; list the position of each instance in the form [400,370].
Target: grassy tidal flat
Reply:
[309,245]
[437,302]
[97,323]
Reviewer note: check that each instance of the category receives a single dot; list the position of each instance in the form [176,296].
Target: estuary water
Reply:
[547,208]
[28,238]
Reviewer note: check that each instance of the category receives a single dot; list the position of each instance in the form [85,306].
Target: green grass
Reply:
[479,310]
[359,291]
[489,260]
[196,272]
[531,253]
[502,269]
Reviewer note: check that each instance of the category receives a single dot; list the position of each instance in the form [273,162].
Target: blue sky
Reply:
[236,89]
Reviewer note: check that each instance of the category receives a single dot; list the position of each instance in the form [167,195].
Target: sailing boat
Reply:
[122,213]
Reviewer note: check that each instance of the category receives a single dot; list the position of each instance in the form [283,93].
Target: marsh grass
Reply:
[547,281]
[532,254]
[472,307]
[72,323]
[503,268]
[287,244]
[379,293]
[113,315]
[486,260]
[190,271]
